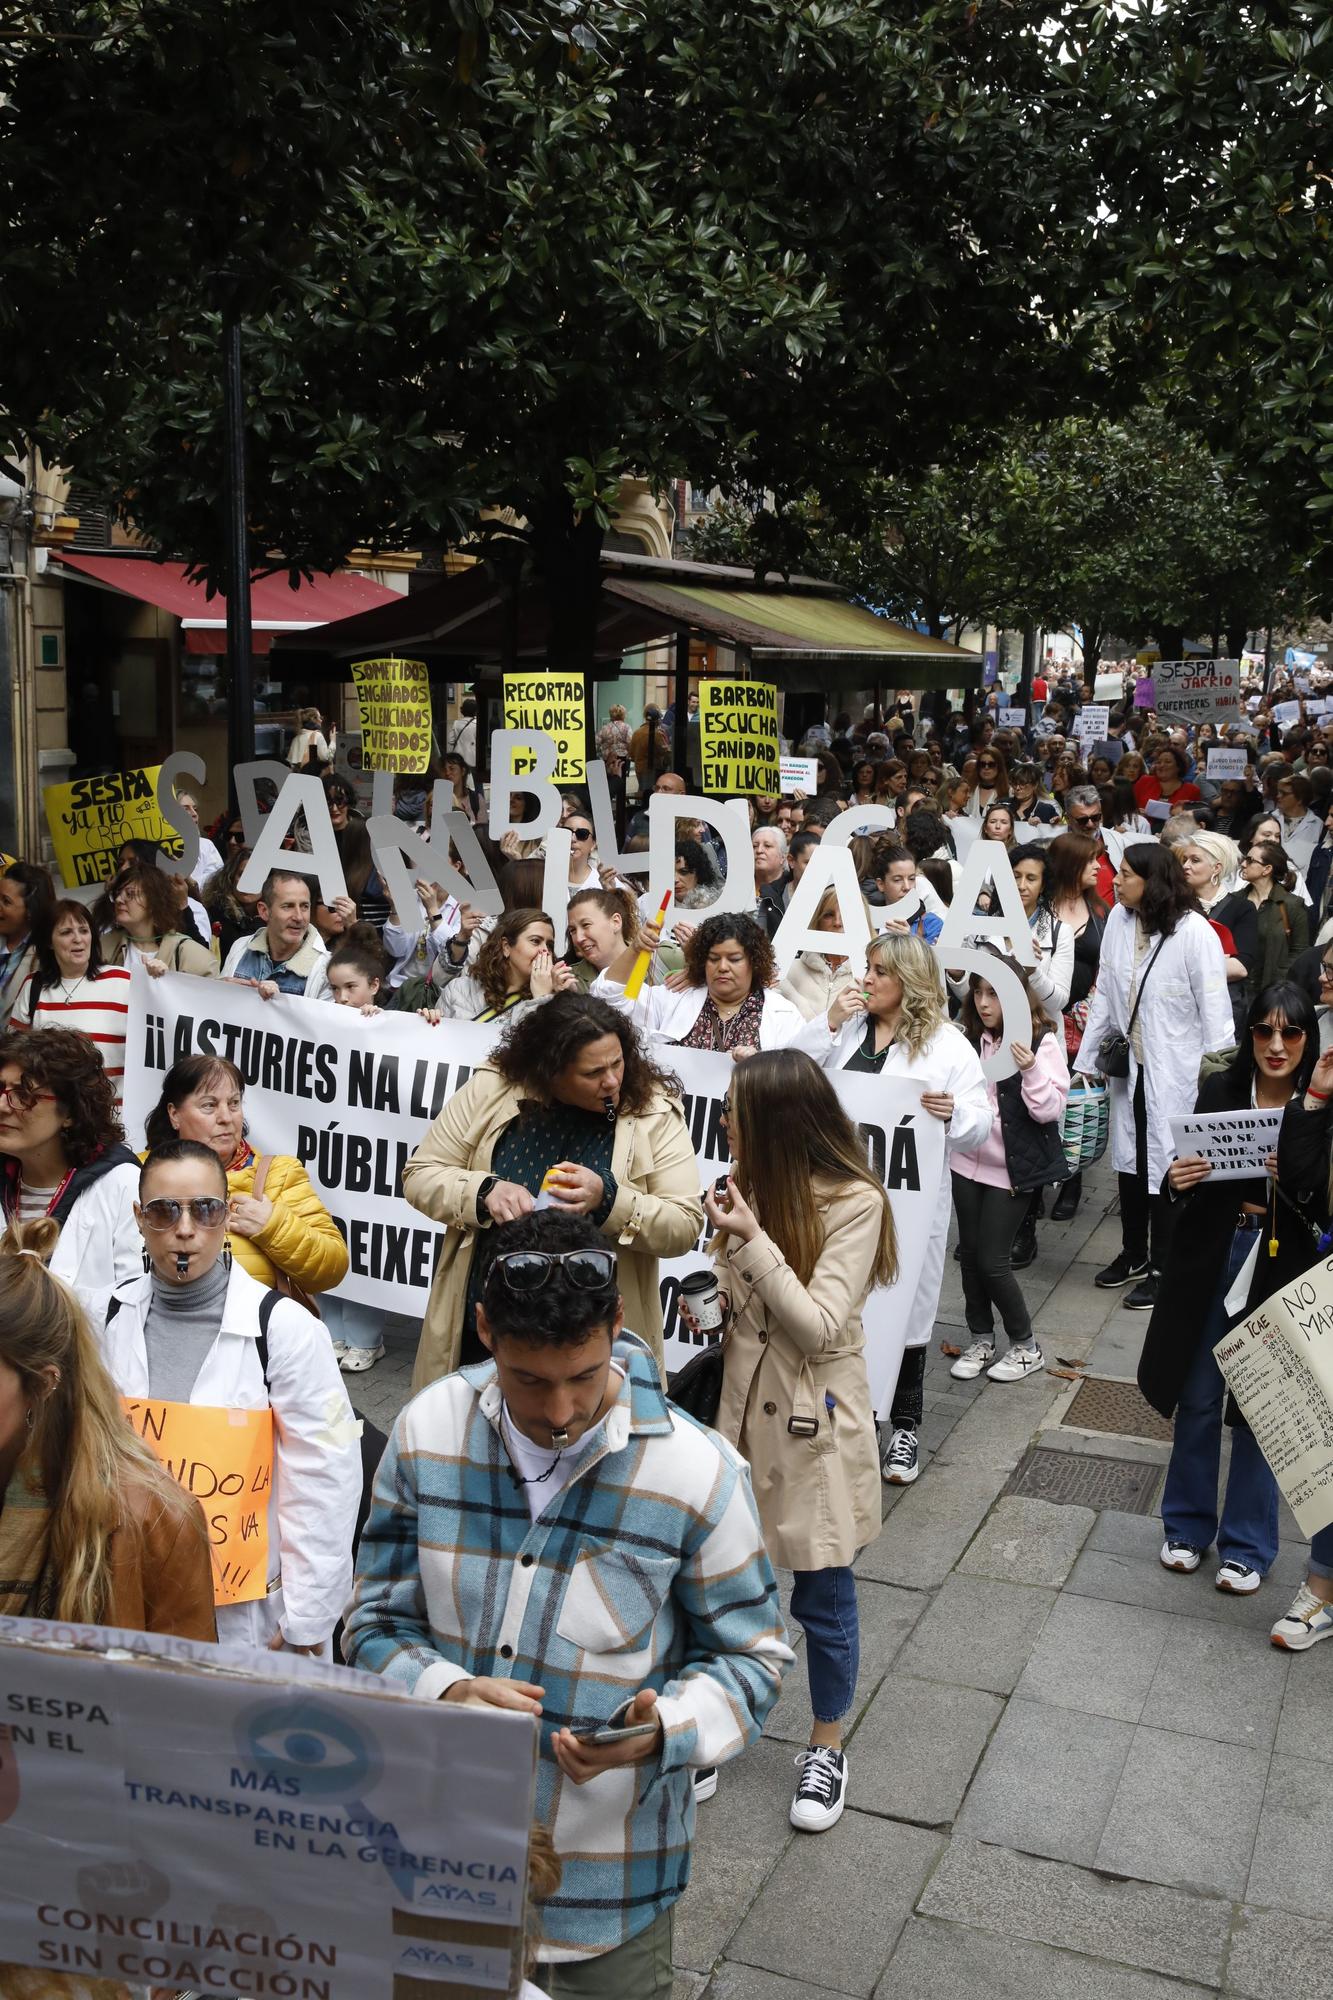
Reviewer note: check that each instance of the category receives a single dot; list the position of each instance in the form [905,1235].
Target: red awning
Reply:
[274,605]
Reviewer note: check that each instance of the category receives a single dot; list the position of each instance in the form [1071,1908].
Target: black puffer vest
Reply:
[1033,1154]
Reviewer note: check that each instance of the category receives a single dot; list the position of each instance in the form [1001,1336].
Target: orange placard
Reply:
[225,1458]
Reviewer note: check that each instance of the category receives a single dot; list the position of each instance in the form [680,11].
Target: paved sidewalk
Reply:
[1072,1773]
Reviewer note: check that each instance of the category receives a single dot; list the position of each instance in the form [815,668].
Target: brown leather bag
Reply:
[282,1281]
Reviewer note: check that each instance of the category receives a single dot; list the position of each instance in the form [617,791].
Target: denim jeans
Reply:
[987,1219]
[358,1325]
[1248,1530]
[823,1603]
[1321,1553]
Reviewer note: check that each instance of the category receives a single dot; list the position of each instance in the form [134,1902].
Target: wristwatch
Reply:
[490,1181]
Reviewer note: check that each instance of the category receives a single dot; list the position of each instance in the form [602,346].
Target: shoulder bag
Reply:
[697,1387]
[1113,1050]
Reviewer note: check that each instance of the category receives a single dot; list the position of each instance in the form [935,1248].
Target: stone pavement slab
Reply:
[939,1961]
[1142,1580]
[1293,1854]
[1214,1682]
[1028,1541]
[1048,1902]
[750,1982]
[887,1617]
[833,1907]
[1186,1812]
[1305,1725]
[738,1834]
[977,1633]
[1096,1659]
[1047,1783]
[1275,1956]
[916,1747]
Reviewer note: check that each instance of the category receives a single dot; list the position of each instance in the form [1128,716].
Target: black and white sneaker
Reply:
[1237,1578]
[1181,1556]
[900,1464]
[705,1783]
[822,1791]
[1119,1272]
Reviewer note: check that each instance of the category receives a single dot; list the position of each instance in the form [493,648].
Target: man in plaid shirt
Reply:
[549,1535]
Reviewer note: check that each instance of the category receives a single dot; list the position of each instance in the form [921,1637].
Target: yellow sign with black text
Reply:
[556,705]
[91,819]
[394,700]
[738,736]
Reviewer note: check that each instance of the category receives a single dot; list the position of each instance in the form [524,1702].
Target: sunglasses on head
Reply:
[1264,1031]
[527,1271]
[208,1210]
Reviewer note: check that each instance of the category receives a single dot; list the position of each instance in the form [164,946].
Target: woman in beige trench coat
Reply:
[570,1099]
[806,1234]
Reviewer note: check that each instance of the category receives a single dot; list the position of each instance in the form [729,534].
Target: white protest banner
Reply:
[1197,690]
[905,1147]
[798,774]
[1092,722]
[1278,1362]
[281,1827]
[1013,718]
[350,1098]
[1236,1144]
[1223,764]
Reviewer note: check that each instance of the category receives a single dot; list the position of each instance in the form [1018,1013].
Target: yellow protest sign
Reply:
[225,1458]
[394,700]
[554,704]
[738,736]
[92,818]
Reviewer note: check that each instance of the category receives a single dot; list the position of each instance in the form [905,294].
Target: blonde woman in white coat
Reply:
[1161,953]
[898,1025]
[196,1329]
[729,1001]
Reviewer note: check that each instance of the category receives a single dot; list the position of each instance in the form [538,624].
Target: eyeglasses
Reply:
[724,1109]
[527,1271]
[22,1095]
[235,835]
[580,832]
[1326,968]
[208,1210]
[1253,861]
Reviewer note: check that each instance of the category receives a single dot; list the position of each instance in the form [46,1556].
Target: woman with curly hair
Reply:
[63,1154]
[569,1110]
[896,1023]
[145,914]
[514,969]
[731,1001]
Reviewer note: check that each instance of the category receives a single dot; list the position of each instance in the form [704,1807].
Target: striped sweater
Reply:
[647,1570]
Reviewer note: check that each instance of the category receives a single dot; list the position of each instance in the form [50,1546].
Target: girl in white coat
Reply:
[897,1025]
[1162,983]
[730,1000]
[198,1329]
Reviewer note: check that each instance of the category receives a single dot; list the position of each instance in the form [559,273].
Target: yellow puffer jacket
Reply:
[300,1237]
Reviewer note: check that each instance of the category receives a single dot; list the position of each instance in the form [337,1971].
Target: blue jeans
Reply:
[1321,1553]
[823,1603]
[1248,1530]
[358,1325]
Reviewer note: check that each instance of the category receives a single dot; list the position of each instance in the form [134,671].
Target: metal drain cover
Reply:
[1118,1408]
[1073,1479]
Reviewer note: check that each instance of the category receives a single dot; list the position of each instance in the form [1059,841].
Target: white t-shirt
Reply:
[544,1473]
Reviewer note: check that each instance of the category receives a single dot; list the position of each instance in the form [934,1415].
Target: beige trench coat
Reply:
[789,1346]
[657,1211]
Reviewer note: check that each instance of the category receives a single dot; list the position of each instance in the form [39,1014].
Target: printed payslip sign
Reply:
[225,1459]
[1093,722]
[1224,764]
[1278,1362]
[1236,1144]
[1013,718]
[91,819]
[738,737]
[555,704]
[1194,691]
[394,700]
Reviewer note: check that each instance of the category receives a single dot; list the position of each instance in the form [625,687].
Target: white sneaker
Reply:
[1237,1578]
[822,1791]
[1309,1620]
[339,1348]
[356,1360]
[973,1359]
[901,1463]
[1017,1363]
[1180,1556]
[705,1784]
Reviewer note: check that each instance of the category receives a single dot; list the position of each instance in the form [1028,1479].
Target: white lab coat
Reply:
[1185,1014]
[947,1063]
[100,1245]
[669,1016]
[1050,979]
[316,1449]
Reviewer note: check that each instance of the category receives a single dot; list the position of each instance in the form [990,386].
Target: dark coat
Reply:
[1033,1154]
[1204,1224]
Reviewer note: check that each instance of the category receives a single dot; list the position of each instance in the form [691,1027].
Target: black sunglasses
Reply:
[527,1271]
[581,832]
[1085,819]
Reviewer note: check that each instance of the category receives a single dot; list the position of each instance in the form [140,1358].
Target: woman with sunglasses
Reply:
[992,782]
[145,913]
[196,1328]
[63,1154]
[1028,804]
[282,1234]
[1223,1237]
[569,1111]
[1267,920]
[804,1233]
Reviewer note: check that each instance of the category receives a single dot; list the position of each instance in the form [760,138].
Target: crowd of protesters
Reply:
[546,1531]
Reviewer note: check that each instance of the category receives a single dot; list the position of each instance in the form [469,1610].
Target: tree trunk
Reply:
[1237,632]
[568,556]
[1170,641]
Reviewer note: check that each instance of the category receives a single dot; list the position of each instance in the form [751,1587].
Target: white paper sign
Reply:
[1224,764]
[1286,714]
[281,1827]
[1236,1143]
[1013,718]
[1093,721]
[799,774]
[1159,809]
[1197,690]
[1278,1362]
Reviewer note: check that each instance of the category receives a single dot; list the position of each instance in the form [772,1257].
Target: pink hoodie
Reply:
[1045,1088]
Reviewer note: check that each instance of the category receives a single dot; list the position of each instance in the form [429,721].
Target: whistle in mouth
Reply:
[182,1264]
[559,1440]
